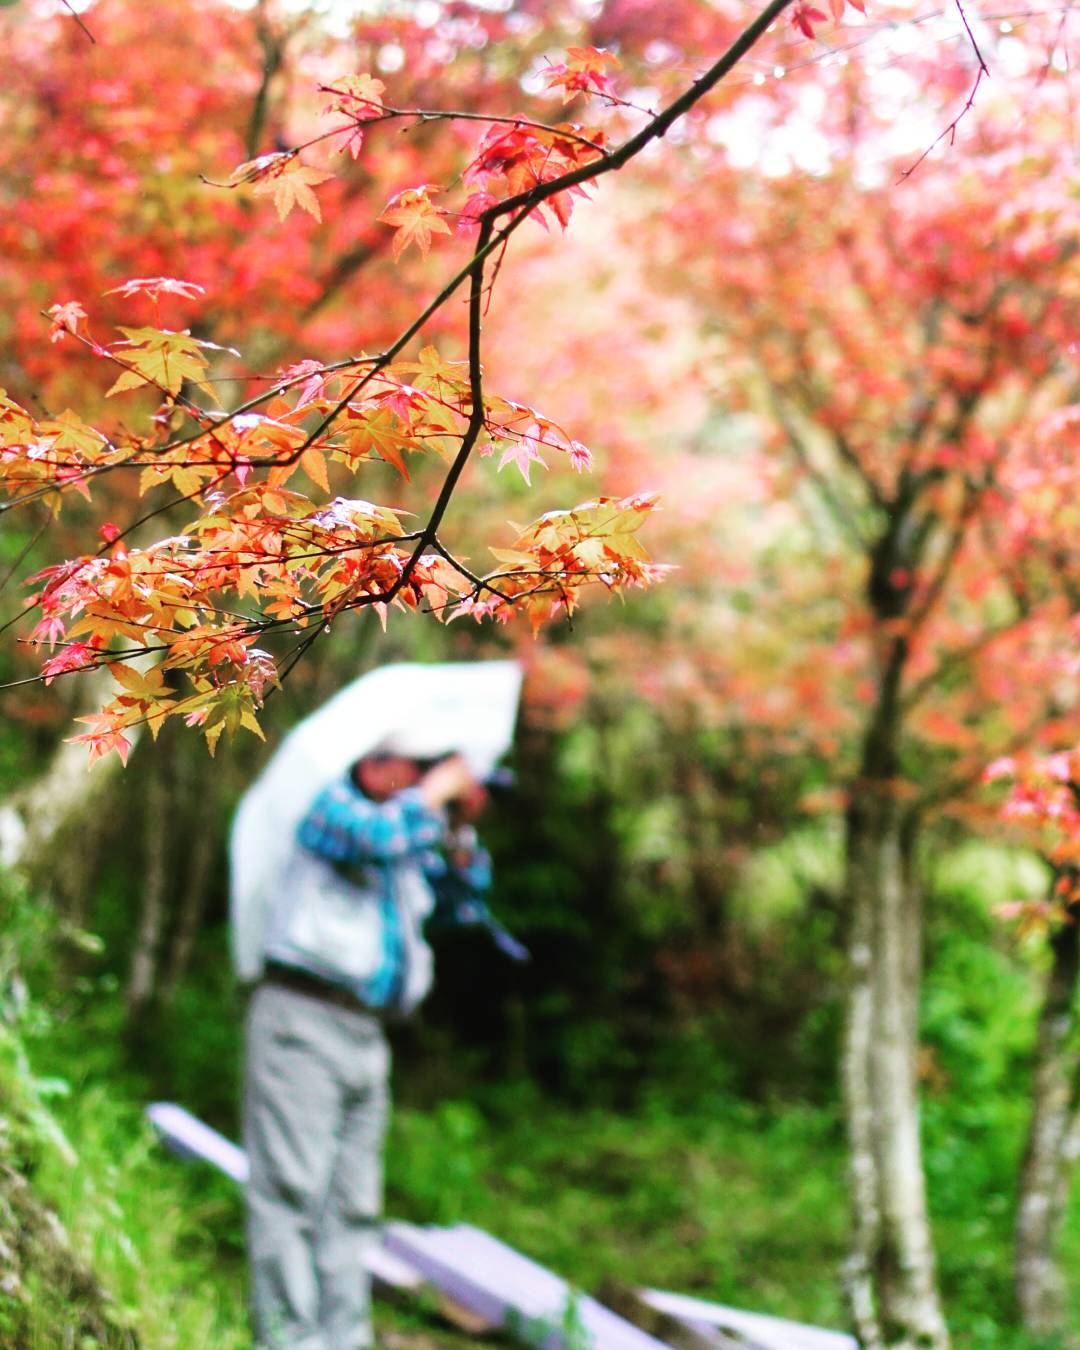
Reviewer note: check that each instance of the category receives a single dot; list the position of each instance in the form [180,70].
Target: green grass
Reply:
[744,1205]
[721,1206]
[147,1231]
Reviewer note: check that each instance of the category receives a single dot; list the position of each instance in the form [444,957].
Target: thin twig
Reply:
[79,20]
[950,130]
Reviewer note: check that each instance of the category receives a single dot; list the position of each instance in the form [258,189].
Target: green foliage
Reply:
[716,1203]
[980,1008]
[580,1115]
[141,1259]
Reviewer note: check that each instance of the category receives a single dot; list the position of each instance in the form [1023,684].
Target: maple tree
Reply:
[838,304]
[255,539]
[1040,808]
[888,358]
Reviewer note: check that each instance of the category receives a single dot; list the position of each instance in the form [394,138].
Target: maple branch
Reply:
[922,407]
[343,269]
[955,660]
[961,783]
[24,553]
[479,583]
[273,49]
[426,537]
[950,130]
[843,447]
[495,225]
[519,207]
[846,452]
[476,419]
[79,20]
[422,115]
[934,591]
[835,505]
[658,127]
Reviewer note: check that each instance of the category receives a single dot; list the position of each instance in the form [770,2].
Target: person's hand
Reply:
[469,806]
[450,780]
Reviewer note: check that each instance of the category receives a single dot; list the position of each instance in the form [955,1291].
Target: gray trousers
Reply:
[315,1107]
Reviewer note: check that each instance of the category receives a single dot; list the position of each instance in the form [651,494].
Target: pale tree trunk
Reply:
[50,828]
[892,1283]
[1052,1144]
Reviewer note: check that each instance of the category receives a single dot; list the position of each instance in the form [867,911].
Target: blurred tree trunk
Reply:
[192,903]
[891,1277]
[1053,1141]
[710,881]
[50,828]
[145,954]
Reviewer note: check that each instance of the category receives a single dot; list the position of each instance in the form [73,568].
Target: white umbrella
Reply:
[467,707]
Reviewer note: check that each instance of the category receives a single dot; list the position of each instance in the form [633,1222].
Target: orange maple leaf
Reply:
[103,737]
[415,218]
[289,182]
[583,72]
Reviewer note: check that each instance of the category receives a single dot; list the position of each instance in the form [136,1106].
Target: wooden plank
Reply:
[757,1329]
[627,1301]
[391,1272]
[511,1292]
[187,1136]
[482,1284]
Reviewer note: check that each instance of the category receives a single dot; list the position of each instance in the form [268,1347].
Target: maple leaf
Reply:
[65,319]
[313,462]
[474,208]
[524,450]
[146,685]
[70,432]
[289,182]
[583,72]
[75,656]
[103,738]
[804,16]
[314,377]
[381,433]
[159,357]
[156,287]
[416,219]
[504,149]
[253,169]
[358,97]
[432,370]
[580,457]
[50,629]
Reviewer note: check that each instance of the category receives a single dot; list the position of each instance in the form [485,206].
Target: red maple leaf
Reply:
[804,16]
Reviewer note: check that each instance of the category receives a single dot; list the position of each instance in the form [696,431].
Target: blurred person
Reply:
[378,853]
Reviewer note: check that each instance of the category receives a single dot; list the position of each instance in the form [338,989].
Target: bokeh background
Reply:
[848,371]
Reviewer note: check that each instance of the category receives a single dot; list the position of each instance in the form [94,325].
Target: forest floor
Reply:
[746,1207]
[686,1188]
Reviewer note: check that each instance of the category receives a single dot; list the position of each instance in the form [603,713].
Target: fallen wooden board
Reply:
[512,1293]
[757,1329]
[187,1136]
[482,1284]
[627,1301]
